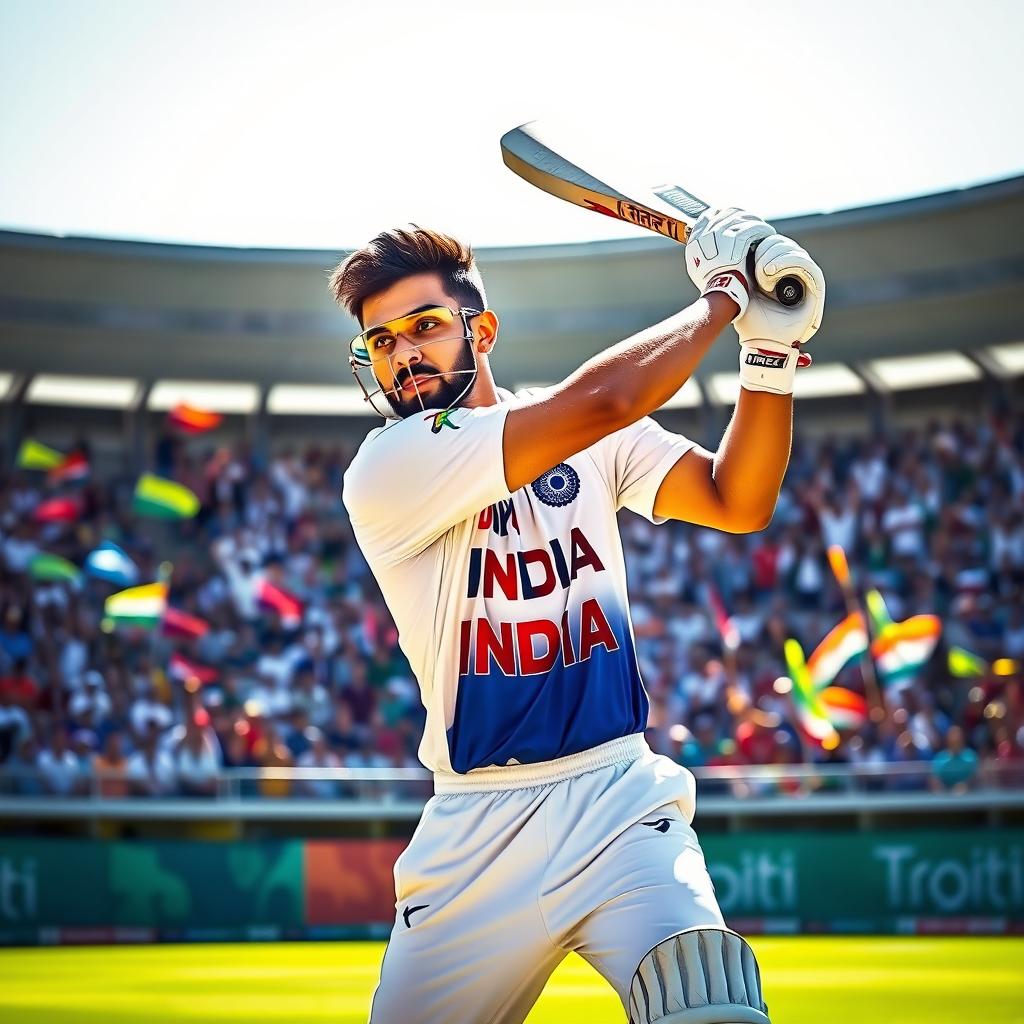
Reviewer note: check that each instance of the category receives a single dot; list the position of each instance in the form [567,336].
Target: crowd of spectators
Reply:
[932,517]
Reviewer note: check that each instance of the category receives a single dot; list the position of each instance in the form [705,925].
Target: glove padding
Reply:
[770,333]
[717,252]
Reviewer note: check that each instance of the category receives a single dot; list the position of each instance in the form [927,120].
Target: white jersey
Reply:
[511,608]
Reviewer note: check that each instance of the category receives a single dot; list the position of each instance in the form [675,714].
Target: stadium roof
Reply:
[934,274]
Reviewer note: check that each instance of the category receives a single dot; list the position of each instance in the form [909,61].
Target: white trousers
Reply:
[499,884]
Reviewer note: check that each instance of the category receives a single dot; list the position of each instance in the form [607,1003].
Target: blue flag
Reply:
[108,562]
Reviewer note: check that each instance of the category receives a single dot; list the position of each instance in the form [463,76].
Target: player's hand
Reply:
[770,333]
[717,252]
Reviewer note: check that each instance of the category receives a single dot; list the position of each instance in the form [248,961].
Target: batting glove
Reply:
[770,333]
[717,252]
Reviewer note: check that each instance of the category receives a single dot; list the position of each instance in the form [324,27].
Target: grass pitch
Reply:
[808,980]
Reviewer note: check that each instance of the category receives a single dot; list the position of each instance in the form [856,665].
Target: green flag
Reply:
[965,665]
[44,567]
[163,499]
[880,617]
[33,455]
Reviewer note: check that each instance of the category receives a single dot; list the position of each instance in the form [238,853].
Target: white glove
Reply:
[717,251]
[770,333]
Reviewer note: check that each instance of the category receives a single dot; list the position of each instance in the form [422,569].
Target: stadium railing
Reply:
[400,793]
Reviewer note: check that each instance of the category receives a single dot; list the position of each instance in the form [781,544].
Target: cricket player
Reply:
[489,521]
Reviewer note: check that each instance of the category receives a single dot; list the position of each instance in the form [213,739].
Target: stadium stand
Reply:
[909,453]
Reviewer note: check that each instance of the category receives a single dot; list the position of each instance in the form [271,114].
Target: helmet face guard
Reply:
[374,348]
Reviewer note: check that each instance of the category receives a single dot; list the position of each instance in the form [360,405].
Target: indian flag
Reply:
[845,642]
[811,712]
[163,499]
[845,709]
[903,648]
[137,606]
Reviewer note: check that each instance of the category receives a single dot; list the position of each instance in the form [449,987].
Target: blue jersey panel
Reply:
[540,717]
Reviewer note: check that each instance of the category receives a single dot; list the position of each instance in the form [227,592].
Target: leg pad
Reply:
[699,976]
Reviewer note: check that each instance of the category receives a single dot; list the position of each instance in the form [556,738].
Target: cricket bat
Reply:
[537,155]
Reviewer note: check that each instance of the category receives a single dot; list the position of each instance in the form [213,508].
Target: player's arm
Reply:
[736,488]
[624,383]
[615,388]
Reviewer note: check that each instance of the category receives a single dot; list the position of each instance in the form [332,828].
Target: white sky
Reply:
[315,125]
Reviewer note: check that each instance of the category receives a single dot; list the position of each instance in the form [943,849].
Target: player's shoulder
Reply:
[389,433]
[421,435]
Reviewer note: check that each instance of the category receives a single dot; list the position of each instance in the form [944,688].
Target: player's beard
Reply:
[443,392]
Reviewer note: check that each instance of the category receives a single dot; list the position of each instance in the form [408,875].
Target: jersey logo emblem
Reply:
[557,487]
[441,420]
[409,911]
[661,824]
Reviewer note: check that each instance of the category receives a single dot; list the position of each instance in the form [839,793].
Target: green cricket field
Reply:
[808,980]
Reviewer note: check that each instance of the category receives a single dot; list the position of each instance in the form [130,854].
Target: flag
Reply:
[810,710]
[183,669]
[840,566]
[33,455]
[58,510]
[163,499]
[275,599]
[845,709]
[726,627]
[138,606]
[108,562]
[844,642]
[903,648]
[192,420]
[881,620]
[180,624]
[53,567]
[965,665]
[72,467]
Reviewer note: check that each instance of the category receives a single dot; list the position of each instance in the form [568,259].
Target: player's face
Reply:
[421,361]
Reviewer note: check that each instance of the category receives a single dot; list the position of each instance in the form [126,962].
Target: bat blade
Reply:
[554,163]
[530,152]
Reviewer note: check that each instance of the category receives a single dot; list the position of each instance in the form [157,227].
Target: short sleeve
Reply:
[413,480]
[636,459]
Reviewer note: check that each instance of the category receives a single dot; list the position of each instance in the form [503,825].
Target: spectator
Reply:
[198,759]
[150,769]
[954,769]
[319,755]
[19,686]
[111,768]
[270,752]
[933,517]
[59,768]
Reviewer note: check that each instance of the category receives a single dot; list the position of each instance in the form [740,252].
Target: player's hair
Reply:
[402,252]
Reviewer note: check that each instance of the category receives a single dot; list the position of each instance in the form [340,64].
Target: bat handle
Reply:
[789,291]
